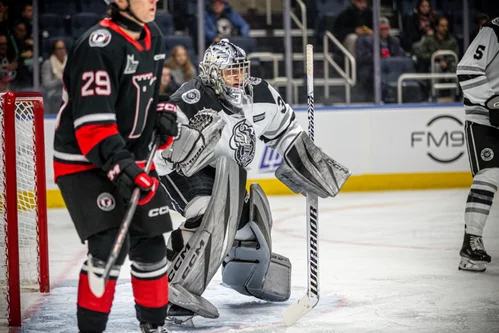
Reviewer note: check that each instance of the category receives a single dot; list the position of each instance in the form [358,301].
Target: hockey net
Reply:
[23,214]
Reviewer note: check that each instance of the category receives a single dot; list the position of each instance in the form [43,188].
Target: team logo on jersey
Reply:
[99,38]
[487,154]
[255,80]
[243,142]
[106,202]
[192,96]
[131,64]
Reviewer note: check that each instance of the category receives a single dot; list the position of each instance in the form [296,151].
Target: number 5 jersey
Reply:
[111,85]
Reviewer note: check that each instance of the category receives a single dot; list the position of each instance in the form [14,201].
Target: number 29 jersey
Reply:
[111,86]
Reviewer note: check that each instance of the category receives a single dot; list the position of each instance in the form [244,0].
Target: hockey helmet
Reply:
[226,69]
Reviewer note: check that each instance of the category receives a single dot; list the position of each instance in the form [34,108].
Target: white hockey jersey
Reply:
[478,72]
[268,119]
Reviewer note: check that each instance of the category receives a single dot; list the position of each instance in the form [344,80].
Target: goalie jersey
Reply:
[111,87]
[478,72]
[267,118]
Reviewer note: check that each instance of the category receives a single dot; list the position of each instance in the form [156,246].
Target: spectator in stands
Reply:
[418,26]
[389,47]
[24,44]
[53,68]
[27,18]
[354,21]
[4,17]
[182,68]
[168,86]
[221,20]
[480,20]
[441,40]
[8,64]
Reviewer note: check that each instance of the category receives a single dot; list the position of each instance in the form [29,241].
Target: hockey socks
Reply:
[150,290]
[92,311]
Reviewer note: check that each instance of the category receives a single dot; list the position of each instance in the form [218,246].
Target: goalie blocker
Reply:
[306,168]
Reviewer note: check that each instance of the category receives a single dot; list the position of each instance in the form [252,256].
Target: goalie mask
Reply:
[226,69]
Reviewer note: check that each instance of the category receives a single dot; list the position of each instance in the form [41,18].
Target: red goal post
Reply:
[23,209]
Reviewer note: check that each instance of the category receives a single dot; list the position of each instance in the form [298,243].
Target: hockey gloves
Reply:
[492,104]
[127,175]
[166,123]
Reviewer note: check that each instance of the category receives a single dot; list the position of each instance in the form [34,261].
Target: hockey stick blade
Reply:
[297,310]
[97,283]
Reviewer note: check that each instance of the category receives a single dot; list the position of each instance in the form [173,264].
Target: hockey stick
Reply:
[97,280]
[309,301]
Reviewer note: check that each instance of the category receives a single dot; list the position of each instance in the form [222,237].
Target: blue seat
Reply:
[172,41]
[52,24]
[47,44]
[98,7]
[165,23]
[248,44]
[81,22]
[391,69]
[61,7]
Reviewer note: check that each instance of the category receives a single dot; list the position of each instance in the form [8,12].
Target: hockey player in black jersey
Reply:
[103,134]
[224,225]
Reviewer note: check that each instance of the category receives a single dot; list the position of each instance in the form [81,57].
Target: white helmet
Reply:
[226,69]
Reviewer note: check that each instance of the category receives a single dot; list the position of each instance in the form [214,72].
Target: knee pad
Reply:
[147,250]
[250,267]
[489,176]
[99,246]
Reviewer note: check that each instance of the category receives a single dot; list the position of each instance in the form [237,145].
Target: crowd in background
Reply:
[421,33]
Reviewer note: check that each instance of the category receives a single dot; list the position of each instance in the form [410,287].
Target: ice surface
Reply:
[388,263]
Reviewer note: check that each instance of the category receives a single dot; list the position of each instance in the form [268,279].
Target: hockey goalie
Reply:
[222,113]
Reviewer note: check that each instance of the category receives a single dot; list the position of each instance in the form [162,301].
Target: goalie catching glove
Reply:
[194,147]
[306,168]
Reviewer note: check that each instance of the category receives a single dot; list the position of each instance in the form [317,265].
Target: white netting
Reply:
[26,204]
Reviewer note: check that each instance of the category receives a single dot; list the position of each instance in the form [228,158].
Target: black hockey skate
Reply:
[148,328]
[473,255]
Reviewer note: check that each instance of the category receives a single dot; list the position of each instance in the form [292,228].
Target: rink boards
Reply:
[388,147]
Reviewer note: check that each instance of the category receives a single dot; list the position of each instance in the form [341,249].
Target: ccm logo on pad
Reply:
[158,211]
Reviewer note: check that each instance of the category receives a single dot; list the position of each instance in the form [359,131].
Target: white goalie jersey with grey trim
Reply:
[478,72]
[267,118]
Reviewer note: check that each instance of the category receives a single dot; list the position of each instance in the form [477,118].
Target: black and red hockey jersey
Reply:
[111,86]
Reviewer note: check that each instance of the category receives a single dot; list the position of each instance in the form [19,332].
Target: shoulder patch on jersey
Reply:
[99,38]
[255,80]
[494,25]
[192,96]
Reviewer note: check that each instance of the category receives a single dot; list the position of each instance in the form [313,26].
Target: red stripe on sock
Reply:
[87,300]
[151,293]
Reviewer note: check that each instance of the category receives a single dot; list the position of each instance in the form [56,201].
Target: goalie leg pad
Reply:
[307,169]
[250,267]
[198,261]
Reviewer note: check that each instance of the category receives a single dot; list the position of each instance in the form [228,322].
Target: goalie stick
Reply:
[98,281]
[311,299]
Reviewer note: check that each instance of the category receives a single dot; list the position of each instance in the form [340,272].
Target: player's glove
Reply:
[127,175]
[166,123]
[492,104]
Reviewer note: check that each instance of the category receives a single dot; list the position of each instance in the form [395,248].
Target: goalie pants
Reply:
[97,210]
[181,190]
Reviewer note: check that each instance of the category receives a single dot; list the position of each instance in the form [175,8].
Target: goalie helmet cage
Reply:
[23,209]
